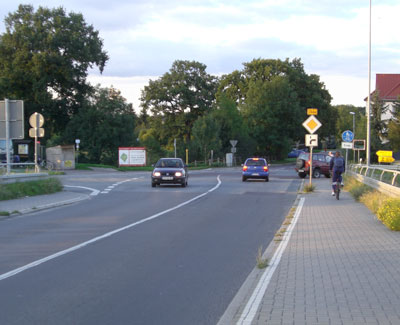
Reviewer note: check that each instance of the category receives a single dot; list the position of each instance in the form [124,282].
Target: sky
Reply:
[144,37]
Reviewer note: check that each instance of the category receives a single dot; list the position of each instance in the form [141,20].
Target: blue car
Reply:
[255,168]
[295,153]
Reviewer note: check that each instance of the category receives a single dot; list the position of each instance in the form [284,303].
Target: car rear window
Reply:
[254,162]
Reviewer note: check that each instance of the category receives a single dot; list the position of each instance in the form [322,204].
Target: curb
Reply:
[238,303]
[46,206]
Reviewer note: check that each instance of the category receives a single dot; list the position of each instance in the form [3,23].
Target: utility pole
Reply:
[368,158]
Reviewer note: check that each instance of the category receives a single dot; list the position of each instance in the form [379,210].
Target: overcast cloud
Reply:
[144,37]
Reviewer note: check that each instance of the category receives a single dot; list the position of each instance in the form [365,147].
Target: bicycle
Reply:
[337,189]
[337,185]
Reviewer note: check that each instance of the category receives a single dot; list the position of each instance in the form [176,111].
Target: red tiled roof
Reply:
[388,86]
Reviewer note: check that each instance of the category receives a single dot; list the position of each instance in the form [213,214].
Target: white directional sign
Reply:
[347,145]
[311,140]
[312,124]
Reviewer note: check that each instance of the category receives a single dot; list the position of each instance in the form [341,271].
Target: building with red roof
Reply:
[388,87]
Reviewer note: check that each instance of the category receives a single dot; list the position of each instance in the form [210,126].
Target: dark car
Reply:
[169,171]
[320,164]
[295,152]
[255,168]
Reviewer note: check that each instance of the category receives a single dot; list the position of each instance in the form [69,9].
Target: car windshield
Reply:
[253,162]
[169,163]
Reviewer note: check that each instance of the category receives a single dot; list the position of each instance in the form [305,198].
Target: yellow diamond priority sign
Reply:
[312,124]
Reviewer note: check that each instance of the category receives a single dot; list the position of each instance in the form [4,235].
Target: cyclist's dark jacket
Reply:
[335,168]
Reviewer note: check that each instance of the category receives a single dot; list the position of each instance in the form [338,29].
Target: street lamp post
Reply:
[369,92]
[354,133]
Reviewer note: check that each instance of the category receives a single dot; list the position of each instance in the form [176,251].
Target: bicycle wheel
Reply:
[337,190]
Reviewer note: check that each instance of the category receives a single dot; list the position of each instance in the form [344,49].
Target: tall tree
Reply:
[44,60]
[104,123]
[308,90]
[272,112]
[180,96]
[232,127]
[206,135]
[394,127]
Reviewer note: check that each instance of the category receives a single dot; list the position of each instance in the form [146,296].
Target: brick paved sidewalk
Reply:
[341,266]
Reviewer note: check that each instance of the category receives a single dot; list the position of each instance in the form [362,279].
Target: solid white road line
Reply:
[94,191]
[109,234]
[253,304]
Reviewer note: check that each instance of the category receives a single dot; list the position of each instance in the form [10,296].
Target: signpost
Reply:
[11,124]
[36,120]
[347,137]
[233,149]
[311,125]
[385,156]
[77,142]
[132,156]
[358,145]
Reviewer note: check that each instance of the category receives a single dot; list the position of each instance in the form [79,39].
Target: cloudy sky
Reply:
[144,37]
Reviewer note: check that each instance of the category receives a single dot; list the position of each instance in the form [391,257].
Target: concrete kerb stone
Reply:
[237,305]
[40,206]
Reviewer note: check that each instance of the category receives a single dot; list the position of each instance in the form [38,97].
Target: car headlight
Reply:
[157,174]
[178,174]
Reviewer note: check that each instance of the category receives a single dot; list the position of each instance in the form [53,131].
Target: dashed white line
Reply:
[109,234]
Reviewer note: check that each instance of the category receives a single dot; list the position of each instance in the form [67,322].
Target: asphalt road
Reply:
[181,258]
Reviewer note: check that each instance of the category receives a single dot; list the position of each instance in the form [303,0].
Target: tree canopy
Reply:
[44,60]
[104,123]
[179,97]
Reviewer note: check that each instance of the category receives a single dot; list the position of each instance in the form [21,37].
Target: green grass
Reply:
[81,166]
[387,209]
[262,263]
[31,188]
[309,188]
[4,213]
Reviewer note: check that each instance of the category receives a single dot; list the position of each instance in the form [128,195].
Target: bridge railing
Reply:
[385,179]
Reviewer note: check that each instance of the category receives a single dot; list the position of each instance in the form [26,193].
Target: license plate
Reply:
[167,178]
[301,170]
[255,174]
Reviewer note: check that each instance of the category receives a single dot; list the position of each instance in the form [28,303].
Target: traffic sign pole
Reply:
[7,116]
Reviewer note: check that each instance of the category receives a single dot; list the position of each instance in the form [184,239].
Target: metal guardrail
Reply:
[386,180]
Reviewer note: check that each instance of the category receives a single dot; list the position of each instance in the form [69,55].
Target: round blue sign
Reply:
[347,136]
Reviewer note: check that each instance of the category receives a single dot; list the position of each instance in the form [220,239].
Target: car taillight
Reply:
[265,168]
[245,168]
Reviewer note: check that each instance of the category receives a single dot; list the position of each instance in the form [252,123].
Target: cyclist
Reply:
[337,166]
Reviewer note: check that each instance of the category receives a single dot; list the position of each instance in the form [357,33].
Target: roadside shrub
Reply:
[356,188]
[22,189]
[389,214]
[373,200]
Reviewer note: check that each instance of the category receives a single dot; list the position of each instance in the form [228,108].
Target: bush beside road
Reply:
[30,188]
[387,209]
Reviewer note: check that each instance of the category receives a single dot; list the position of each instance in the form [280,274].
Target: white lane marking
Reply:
[109,234]
[105,191]
[94,191]
[254,302]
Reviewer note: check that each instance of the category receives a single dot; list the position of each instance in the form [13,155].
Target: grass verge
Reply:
[386,209]
[262,263]
[32,188]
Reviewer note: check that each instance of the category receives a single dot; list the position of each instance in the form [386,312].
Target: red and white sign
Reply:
[132,156]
